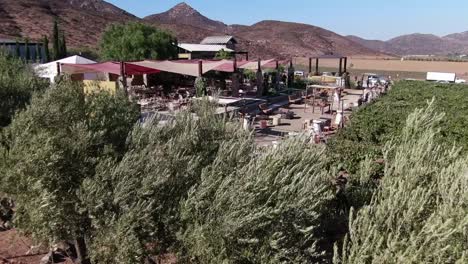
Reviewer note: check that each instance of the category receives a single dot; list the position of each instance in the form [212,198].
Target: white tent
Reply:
[49,70]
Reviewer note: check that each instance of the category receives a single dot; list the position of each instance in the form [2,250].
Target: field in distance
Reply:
[392,67]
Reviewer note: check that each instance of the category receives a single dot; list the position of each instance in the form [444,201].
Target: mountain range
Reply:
[419,44]
[83,22]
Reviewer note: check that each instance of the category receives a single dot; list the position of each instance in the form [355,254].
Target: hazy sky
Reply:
[376,19]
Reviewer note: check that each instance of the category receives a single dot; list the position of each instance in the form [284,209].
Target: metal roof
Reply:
[3,40]
[202,47]
[329,56]
[218,40]
[12,41]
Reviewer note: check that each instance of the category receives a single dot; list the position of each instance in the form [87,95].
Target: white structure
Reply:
[441,77]
[203,47]
[50,70]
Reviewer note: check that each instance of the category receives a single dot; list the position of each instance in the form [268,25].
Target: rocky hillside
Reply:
[183,14]
[419,44]
[82,20]
[298,40]
[266,38]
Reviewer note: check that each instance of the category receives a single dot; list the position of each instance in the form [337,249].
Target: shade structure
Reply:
[49,70]
[107,67]
[228,66]
[191,67]
[184,67]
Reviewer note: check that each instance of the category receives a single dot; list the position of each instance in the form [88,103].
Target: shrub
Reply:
[267,207]
[17,85]
[137,41]
[418,213]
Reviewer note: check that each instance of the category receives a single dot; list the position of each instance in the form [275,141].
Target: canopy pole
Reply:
[310,65]
[340,71]
[124,78]
[277,76]
[259,79]
[59,71]
[200,68]
[291,73]
[316,66]
[345,64]
[235,64]
[235,79]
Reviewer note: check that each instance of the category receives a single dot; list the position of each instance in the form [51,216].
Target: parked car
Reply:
[299,73]
[374,79]
[460,80]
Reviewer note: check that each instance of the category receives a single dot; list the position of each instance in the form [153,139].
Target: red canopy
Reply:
[107,67]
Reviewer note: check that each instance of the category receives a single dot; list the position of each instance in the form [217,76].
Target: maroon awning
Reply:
[107,67]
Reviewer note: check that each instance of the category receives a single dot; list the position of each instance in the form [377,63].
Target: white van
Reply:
[299,73]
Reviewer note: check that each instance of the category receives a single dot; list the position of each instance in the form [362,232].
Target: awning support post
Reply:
[124,78]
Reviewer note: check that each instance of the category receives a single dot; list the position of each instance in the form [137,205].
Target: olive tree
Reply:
[260,206]
[137,41]
[50,149]
[135,201]
[17,85]
[418,213]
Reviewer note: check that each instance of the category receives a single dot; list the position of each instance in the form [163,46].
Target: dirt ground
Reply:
[16,249]
[266,137]
[395,65]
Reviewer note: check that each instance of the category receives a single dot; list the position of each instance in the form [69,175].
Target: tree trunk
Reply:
[82,251]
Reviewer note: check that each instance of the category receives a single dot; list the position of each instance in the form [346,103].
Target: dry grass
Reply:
[405,69]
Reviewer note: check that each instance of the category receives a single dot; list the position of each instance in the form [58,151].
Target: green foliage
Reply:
[56,41]
[223,55]
[17,85]
[372,126]
[259,208]
[250,74]
[137,41]
[200,86]
[419,212]
[134,202]
[51,148]
[63,46]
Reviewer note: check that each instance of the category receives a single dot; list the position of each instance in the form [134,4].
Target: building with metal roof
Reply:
[228,41]
[35,50]
[200,51]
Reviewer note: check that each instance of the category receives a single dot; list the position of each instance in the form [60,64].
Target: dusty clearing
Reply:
[460,68]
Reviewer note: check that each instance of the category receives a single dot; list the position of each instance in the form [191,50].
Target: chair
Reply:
[322,104]
[265,109]
[294,99]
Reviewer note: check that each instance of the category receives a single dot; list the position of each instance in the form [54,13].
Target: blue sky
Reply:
[376,19]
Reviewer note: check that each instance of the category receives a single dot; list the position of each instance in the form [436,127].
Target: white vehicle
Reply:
[327,74]
[299,73]
[441,77]
[460,80]
[372,79]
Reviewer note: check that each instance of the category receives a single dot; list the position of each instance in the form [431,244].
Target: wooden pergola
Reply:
[343,65]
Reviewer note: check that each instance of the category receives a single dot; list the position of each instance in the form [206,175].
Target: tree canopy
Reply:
[17,85]
[223,54]
[137,41]
[81,167]
[51,148]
